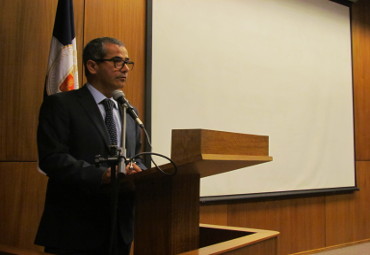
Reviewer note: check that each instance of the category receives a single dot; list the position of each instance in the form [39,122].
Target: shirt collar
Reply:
[98,96]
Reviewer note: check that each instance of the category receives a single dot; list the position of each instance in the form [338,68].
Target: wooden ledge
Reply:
[9,250]
[244,238]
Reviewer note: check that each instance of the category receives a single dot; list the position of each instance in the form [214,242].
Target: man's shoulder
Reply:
[68,95]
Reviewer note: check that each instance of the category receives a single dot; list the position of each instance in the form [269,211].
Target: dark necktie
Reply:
[109,121]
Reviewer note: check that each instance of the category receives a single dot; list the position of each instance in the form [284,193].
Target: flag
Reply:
[62,73]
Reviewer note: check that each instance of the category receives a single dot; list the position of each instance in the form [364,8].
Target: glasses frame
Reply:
[117,60]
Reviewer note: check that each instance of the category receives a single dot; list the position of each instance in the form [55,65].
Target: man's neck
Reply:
[101,89]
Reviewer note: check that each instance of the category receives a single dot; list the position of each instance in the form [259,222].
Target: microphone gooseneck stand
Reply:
[121,166]
[116,161]
[115,183]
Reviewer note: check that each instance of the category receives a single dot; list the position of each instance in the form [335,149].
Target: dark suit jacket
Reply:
[71,133]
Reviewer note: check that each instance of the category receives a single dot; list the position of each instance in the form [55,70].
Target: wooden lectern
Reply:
[167,210]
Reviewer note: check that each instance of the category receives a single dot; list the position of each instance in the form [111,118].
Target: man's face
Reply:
[108,76]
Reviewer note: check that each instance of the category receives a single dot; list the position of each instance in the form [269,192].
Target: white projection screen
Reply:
[280,68]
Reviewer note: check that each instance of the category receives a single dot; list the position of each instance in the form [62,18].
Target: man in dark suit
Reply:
[71,132]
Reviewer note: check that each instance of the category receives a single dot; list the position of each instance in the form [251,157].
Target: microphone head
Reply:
[118,94]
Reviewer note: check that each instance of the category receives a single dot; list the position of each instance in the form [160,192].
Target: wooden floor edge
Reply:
[331,247]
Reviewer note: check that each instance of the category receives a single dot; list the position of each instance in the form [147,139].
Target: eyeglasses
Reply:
[119,63]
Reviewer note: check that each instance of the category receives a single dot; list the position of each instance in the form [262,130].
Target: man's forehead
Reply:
[115,49]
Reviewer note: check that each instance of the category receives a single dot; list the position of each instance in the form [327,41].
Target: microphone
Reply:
[119,96]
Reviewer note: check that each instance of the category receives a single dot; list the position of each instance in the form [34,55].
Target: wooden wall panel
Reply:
[214,214]
[260,214]
[340,219]
[347,218]
[302,224]
[362,202]
[79,14]
[24,51]
[361,77]
[26,32]
[288,216]
[22,195]
[124,20]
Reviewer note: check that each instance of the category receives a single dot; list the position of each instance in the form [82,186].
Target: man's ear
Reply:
[92,66]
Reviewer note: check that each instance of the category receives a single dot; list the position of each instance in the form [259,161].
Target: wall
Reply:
[312,222]
[305,223]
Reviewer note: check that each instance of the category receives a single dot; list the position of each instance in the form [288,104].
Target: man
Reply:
[71,132]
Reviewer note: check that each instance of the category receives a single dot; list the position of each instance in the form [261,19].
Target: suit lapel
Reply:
[88,104]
